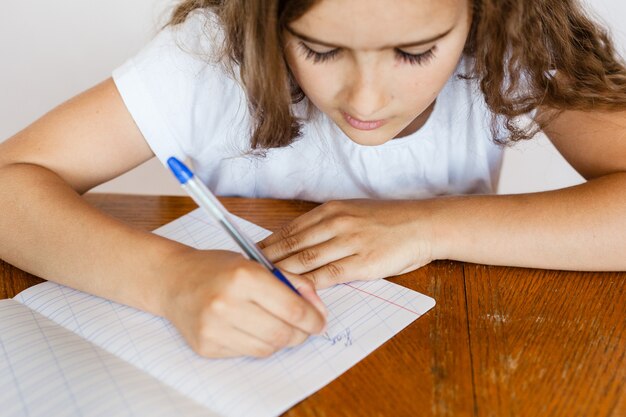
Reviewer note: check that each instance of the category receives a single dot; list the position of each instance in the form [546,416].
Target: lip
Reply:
[362,124]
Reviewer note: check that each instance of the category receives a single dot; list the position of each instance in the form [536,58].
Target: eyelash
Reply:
[412,59]
[416,59]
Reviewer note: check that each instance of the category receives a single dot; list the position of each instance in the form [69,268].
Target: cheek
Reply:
[318,85]
[416,90]
[318,82]
[422,86]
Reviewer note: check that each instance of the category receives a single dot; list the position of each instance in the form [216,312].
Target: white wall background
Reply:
[52,50]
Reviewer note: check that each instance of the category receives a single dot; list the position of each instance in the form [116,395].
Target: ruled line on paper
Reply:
[362,316]
[54,372]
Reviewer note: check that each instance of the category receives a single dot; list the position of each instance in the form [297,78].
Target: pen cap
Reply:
[180,170]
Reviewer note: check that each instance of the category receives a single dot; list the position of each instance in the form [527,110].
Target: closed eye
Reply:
[317,57]
[416,59]
[412,59]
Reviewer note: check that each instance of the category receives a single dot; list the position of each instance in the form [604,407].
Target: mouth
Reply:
[362,124]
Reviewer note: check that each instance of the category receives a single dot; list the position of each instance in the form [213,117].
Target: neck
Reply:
[417,123]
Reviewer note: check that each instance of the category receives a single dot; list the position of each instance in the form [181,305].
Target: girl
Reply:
[394,111]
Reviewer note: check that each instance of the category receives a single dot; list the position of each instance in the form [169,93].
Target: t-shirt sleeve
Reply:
[172,87]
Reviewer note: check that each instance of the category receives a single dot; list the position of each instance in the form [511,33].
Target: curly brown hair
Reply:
[529,54]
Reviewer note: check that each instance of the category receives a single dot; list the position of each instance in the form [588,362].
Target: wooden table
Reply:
[500,342]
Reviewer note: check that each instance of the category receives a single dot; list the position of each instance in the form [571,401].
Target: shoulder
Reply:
[593,142]
[188,47]
[176,88]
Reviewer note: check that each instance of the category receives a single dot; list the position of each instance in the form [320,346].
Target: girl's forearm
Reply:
[47,229]
[577,228]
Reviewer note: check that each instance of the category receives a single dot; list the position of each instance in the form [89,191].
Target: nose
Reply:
[366,93]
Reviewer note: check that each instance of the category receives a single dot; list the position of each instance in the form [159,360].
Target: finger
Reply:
[314,257]
[212,350]
[275,297]
[239,342]
[295,226]
[257,322]
[295,243]
[337,272]
[306,288]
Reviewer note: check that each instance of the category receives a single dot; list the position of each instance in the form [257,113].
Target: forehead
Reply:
[372,23]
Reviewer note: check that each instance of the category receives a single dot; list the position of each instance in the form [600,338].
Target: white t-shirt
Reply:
[187,106]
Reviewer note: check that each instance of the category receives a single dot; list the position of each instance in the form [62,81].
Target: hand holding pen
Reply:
[207,201]
[226,305]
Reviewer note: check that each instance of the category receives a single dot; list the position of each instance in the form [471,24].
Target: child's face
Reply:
[354,61]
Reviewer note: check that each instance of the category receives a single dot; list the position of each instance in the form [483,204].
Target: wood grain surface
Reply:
[500,341]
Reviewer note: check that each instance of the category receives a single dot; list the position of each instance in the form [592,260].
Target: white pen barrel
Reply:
[205,199]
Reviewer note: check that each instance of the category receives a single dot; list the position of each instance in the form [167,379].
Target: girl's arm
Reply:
[46,228]
[577,228]
[223,304]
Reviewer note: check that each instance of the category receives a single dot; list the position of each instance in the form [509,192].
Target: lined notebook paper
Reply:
[64,352]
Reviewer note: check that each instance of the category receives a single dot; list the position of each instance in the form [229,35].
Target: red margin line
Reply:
[384,299]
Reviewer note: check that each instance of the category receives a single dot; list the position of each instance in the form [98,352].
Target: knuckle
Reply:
[308,257]
[340,222]
[290,243]
[334,270]
[241,269]
[286,231]
[216,308]
[241,275]
[333,205]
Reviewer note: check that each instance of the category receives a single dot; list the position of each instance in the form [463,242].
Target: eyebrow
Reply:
[404,45]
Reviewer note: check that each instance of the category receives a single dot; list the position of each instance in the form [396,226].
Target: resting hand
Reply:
[350,240]
[225,305]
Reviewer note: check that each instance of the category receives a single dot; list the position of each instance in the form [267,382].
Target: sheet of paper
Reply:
[46,370]
[362,316]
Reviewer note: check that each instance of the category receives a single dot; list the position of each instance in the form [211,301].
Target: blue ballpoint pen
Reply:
[205,199]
